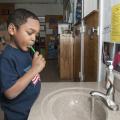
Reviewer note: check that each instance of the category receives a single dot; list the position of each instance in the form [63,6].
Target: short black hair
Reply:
[20,16]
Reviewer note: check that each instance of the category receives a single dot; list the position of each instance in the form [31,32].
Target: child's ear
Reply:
[11,29]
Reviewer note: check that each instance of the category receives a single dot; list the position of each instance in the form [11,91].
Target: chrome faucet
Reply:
[107,98]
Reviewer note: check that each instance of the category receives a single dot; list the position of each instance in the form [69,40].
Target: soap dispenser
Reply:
[110,75]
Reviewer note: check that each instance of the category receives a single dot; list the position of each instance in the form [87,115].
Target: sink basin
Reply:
[72,104]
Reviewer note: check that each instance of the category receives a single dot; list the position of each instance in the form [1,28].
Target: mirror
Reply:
[116,60]
[111,52]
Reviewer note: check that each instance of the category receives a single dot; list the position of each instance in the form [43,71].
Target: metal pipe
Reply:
[100,38]
[82,31]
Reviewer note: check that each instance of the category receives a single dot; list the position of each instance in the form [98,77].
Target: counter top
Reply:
[48,87]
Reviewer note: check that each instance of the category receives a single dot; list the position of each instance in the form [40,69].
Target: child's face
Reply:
[25,36]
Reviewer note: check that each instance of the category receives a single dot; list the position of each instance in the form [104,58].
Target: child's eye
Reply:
[29,33]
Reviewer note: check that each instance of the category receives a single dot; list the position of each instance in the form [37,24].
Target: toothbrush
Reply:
[33,50]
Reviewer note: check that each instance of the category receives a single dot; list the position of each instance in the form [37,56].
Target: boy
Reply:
[19,73]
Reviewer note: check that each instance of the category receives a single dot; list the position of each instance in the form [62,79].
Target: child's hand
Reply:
[38,62]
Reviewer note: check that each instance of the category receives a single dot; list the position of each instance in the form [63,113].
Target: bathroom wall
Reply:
[89,6]
[42,9]
[106,27]
[106,21]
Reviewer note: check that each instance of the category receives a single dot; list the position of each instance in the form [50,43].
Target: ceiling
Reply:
[33,1]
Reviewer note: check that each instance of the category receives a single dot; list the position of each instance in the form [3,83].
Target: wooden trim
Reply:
[91,13]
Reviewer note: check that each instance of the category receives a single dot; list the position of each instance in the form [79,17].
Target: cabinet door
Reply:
[91,48]
[66,57]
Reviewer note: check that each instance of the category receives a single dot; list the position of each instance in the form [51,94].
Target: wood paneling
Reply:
[91,48]
[66,57]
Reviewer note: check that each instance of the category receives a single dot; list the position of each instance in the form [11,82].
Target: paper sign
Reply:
[115,26]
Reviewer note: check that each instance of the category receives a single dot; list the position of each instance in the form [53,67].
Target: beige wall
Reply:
[42,9]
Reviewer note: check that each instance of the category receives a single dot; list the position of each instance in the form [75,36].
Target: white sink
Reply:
[72,104]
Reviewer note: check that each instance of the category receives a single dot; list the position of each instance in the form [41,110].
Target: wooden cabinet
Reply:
[66,57]
[91,48]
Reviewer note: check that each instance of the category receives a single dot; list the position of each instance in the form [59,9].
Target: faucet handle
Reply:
[110,91]
[109,78]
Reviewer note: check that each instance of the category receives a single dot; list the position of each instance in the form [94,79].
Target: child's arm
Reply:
[38,64]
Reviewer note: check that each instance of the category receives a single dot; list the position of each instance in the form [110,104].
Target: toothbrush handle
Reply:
[33,50]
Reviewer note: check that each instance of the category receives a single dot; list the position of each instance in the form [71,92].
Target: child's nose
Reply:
[33,38]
